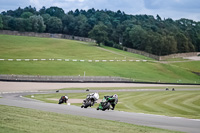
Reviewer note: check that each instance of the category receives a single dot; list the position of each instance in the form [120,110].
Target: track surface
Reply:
[171,123]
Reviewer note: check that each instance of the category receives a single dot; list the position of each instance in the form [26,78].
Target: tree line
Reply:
[114,29]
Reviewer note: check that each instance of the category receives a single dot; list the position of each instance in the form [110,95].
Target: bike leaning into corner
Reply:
[90,100]
[107,101]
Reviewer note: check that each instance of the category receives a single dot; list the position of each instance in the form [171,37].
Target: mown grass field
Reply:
[19,47]
[191,66]
[133,88]
[169,103]
[22,47]
[20,120]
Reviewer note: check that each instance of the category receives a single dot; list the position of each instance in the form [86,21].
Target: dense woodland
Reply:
[115,29]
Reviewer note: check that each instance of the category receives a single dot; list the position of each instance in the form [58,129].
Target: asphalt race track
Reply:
[165,122]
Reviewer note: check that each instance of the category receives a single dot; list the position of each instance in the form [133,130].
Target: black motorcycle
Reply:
[63,99]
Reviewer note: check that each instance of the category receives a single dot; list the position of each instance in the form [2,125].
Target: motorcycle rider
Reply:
[63,99]
[93,97]
[113,100]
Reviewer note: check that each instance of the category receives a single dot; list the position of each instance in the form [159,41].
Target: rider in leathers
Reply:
[113,100]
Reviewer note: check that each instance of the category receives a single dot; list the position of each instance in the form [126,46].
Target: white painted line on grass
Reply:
[75,60]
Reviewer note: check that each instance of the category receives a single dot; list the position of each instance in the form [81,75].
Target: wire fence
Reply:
[38,78]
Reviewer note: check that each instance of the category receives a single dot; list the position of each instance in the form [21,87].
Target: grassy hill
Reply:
[19,47]
[21,120]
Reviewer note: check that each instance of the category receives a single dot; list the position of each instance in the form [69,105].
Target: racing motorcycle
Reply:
[63,99]
[90,100]
[107,101]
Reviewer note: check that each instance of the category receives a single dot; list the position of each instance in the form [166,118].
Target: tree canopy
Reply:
[115,29]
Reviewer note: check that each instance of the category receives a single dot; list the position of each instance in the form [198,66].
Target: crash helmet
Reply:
[96,95]
[115,96]
[66,97]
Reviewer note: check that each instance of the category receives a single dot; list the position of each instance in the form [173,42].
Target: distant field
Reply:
[21,120]
[19,47]
[22,47]
[169,103]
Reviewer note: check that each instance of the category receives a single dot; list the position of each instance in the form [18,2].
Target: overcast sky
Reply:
[174,9]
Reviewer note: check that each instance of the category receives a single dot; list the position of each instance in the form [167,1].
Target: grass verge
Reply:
[20,120]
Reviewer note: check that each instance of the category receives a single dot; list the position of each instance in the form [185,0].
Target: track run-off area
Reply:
[12,93]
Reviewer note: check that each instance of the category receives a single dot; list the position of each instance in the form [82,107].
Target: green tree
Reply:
[99,33]
[12,23]
[26,14]
[170,45]
[19,24]
[55,11]
[45,17]
[1,22]
[27,24]
[6,20]
[68,22]
[37,23]
[182,43]
[54,25]
[30,9]
[137,37]
[42,10]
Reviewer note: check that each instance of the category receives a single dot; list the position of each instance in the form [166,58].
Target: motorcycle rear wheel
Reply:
[87,104]
[107,106]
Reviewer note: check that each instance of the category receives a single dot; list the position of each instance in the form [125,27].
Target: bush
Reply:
[125,49]
[118,46]
[109,43]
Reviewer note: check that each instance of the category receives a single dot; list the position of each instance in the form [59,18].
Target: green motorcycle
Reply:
[106,102]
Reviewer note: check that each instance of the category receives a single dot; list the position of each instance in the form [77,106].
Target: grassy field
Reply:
[22,47]
[169,103]
[125,88]
[19,47]
[191,66]
[20,120]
